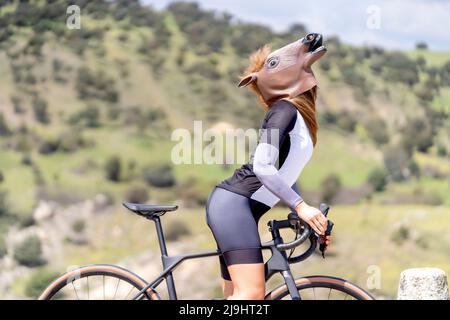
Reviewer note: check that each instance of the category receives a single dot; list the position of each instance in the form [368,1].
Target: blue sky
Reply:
[402,23]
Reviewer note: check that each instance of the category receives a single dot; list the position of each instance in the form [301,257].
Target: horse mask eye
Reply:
[273,62]
[287,72]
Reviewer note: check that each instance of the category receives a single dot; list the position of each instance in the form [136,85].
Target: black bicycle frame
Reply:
[277,263]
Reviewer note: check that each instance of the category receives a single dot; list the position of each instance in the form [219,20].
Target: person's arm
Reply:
[280,120]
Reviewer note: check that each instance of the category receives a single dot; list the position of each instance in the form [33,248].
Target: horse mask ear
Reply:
[247,80]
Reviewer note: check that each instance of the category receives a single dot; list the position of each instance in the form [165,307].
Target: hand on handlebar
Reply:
[313,217]
[326,239]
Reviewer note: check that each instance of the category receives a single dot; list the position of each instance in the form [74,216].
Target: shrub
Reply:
[89,117]
[26,221]
[421,45]
[176,230]
[71,141]
[4,128]
[29,252]
[48,146]
[27,159]
[400,235]
[418,134]
[17,103]
[92,117]
[78,226]
[39,281]
[378,179]
[136,194]
[396,160]
[414,168]
[330,187]
[3,249]
[113,169]
[442,150]
[422,242]
[96,85]
[347,122]
[4,207]
[377,131]
[40,110]
[190,194]
[160,176]
[192,198]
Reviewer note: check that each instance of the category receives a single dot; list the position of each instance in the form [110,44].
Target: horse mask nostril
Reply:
[315,43]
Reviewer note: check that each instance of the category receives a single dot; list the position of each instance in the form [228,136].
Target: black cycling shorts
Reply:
[233,220]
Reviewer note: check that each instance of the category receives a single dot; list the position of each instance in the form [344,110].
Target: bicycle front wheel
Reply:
[322,288]
[97,282]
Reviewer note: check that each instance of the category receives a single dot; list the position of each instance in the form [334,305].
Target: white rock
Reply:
[423,284]
[44,211]
[101,202]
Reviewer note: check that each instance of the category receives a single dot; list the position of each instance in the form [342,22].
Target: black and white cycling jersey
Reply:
[284,148]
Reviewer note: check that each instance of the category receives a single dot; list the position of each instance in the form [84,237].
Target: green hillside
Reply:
[91,111]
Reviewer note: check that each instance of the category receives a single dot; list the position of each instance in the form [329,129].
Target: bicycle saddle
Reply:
[149,210]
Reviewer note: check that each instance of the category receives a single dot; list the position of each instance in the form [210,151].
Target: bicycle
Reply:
[109,278]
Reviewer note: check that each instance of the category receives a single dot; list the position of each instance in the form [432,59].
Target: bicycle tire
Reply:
[313,282]
[103,270]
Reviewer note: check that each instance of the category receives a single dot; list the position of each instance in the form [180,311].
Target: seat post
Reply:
[162,245]
[160,233]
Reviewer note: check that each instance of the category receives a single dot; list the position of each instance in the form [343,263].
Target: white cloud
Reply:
[403,22]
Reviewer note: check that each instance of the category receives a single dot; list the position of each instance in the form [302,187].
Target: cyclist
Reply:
[287,89]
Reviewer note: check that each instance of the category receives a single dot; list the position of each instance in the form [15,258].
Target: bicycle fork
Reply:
[290,283]
[278,262]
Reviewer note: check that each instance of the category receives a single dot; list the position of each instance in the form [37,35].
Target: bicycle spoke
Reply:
[129,293]
[314,291]
[329,294]
[87,280]
[117,287]
[345,297]
[75,289]
[104,287]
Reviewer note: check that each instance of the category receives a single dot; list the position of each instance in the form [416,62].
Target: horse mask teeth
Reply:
[287,71]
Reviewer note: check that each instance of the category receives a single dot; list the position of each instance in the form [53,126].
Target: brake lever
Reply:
[323,245]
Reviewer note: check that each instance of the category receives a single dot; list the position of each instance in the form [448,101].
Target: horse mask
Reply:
[287,71]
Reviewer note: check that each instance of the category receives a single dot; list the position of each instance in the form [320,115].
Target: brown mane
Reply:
[257,60]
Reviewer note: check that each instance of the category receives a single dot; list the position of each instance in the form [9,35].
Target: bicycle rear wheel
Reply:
[97,282]
[322,288]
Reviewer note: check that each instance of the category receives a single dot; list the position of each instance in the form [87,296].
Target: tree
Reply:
[396,160]
[4,128]
[160,176]
[113,169]
[421,45]
[136,194]
[378,179]
[40,110]
[330,187]
[4,207]
[418,134]
[377,130]
[29,252]
[92,117]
